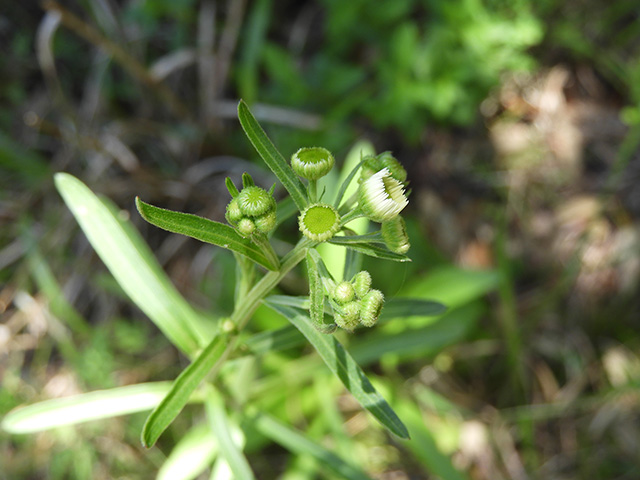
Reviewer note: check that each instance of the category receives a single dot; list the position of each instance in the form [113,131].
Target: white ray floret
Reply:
[382,197]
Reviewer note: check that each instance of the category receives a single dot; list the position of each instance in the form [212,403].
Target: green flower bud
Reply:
[319,222]
[370,307]
[394,234]
[381,197]
[255,201]
[234,214]
[362,283]
[348,315]
[312,163]
[267,222]
[344,293]
[246,227]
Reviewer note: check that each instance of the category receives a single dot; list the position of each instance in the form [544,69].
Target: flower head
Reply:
[312,163]
[319,222]
[394,234]
[382,197]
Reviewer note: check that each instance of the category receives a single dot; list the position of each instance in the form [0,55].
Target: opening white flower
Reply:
[382,196]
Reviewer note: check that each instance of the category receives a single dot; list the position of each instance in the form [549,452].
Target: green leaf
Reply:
[85,407]
[407,307]
[191,456]
[271,156]
[297,442]
[368,249]
[132,264]
[181,390]
[273,340]
[346,369]
[229,449]
[204,230]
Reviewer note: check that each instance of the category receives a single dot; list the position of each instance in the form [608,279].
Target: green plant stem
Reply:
[244,310]
[349,217]
[263,242]
[313,191]
[245,276]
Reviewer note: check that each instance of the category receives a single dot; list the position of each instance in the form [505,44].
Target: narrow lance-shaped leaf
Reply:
[370,249]
[222,428]
[132,264]
[271,156]
[204,230]
[296,442]
[85,407]
[346,369]
[181,390]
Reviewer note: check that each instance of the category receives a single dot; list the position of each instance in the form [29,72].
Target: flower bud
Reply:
[343,293]
[246,227]
[370,308]
[319,222]
[312,163]
[348,315]
[394,234]
[266,223]
[382,197]
[362,283]
[255,201]
[234,214]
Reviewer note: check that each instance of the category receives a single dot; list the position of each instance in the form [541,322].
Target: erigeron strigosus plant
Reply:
[252,216]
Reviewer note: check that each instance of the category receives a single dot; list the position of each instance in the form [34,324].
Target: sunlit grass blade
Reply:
[191,456]
[346,369]
[204,230]
[271,156]
[369,249]
[181,390]
[132,264]
[297,442]
[229,448]
[85,407]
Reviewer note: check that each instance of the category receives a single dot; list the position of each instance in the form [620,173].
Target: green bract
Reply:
[348,316]
[255,201]
[373,164]
[312,163]
[319,222]
[362,283]
[381,197]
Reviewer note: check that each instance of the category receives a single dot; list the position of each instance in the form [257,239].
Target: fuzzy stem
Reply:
[313,191]
[263,242]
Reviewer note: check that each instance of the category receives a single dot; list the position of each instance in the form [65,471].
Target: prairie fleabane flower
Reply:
[312,163]
[382,197]
[319,222]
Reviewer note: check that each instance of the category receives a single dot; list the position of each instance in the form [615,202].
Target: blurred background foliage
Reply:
[519,123]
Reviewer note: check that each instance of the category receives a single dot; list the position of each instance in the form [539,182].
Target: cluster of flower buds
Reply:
[251,210]
[356,302]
